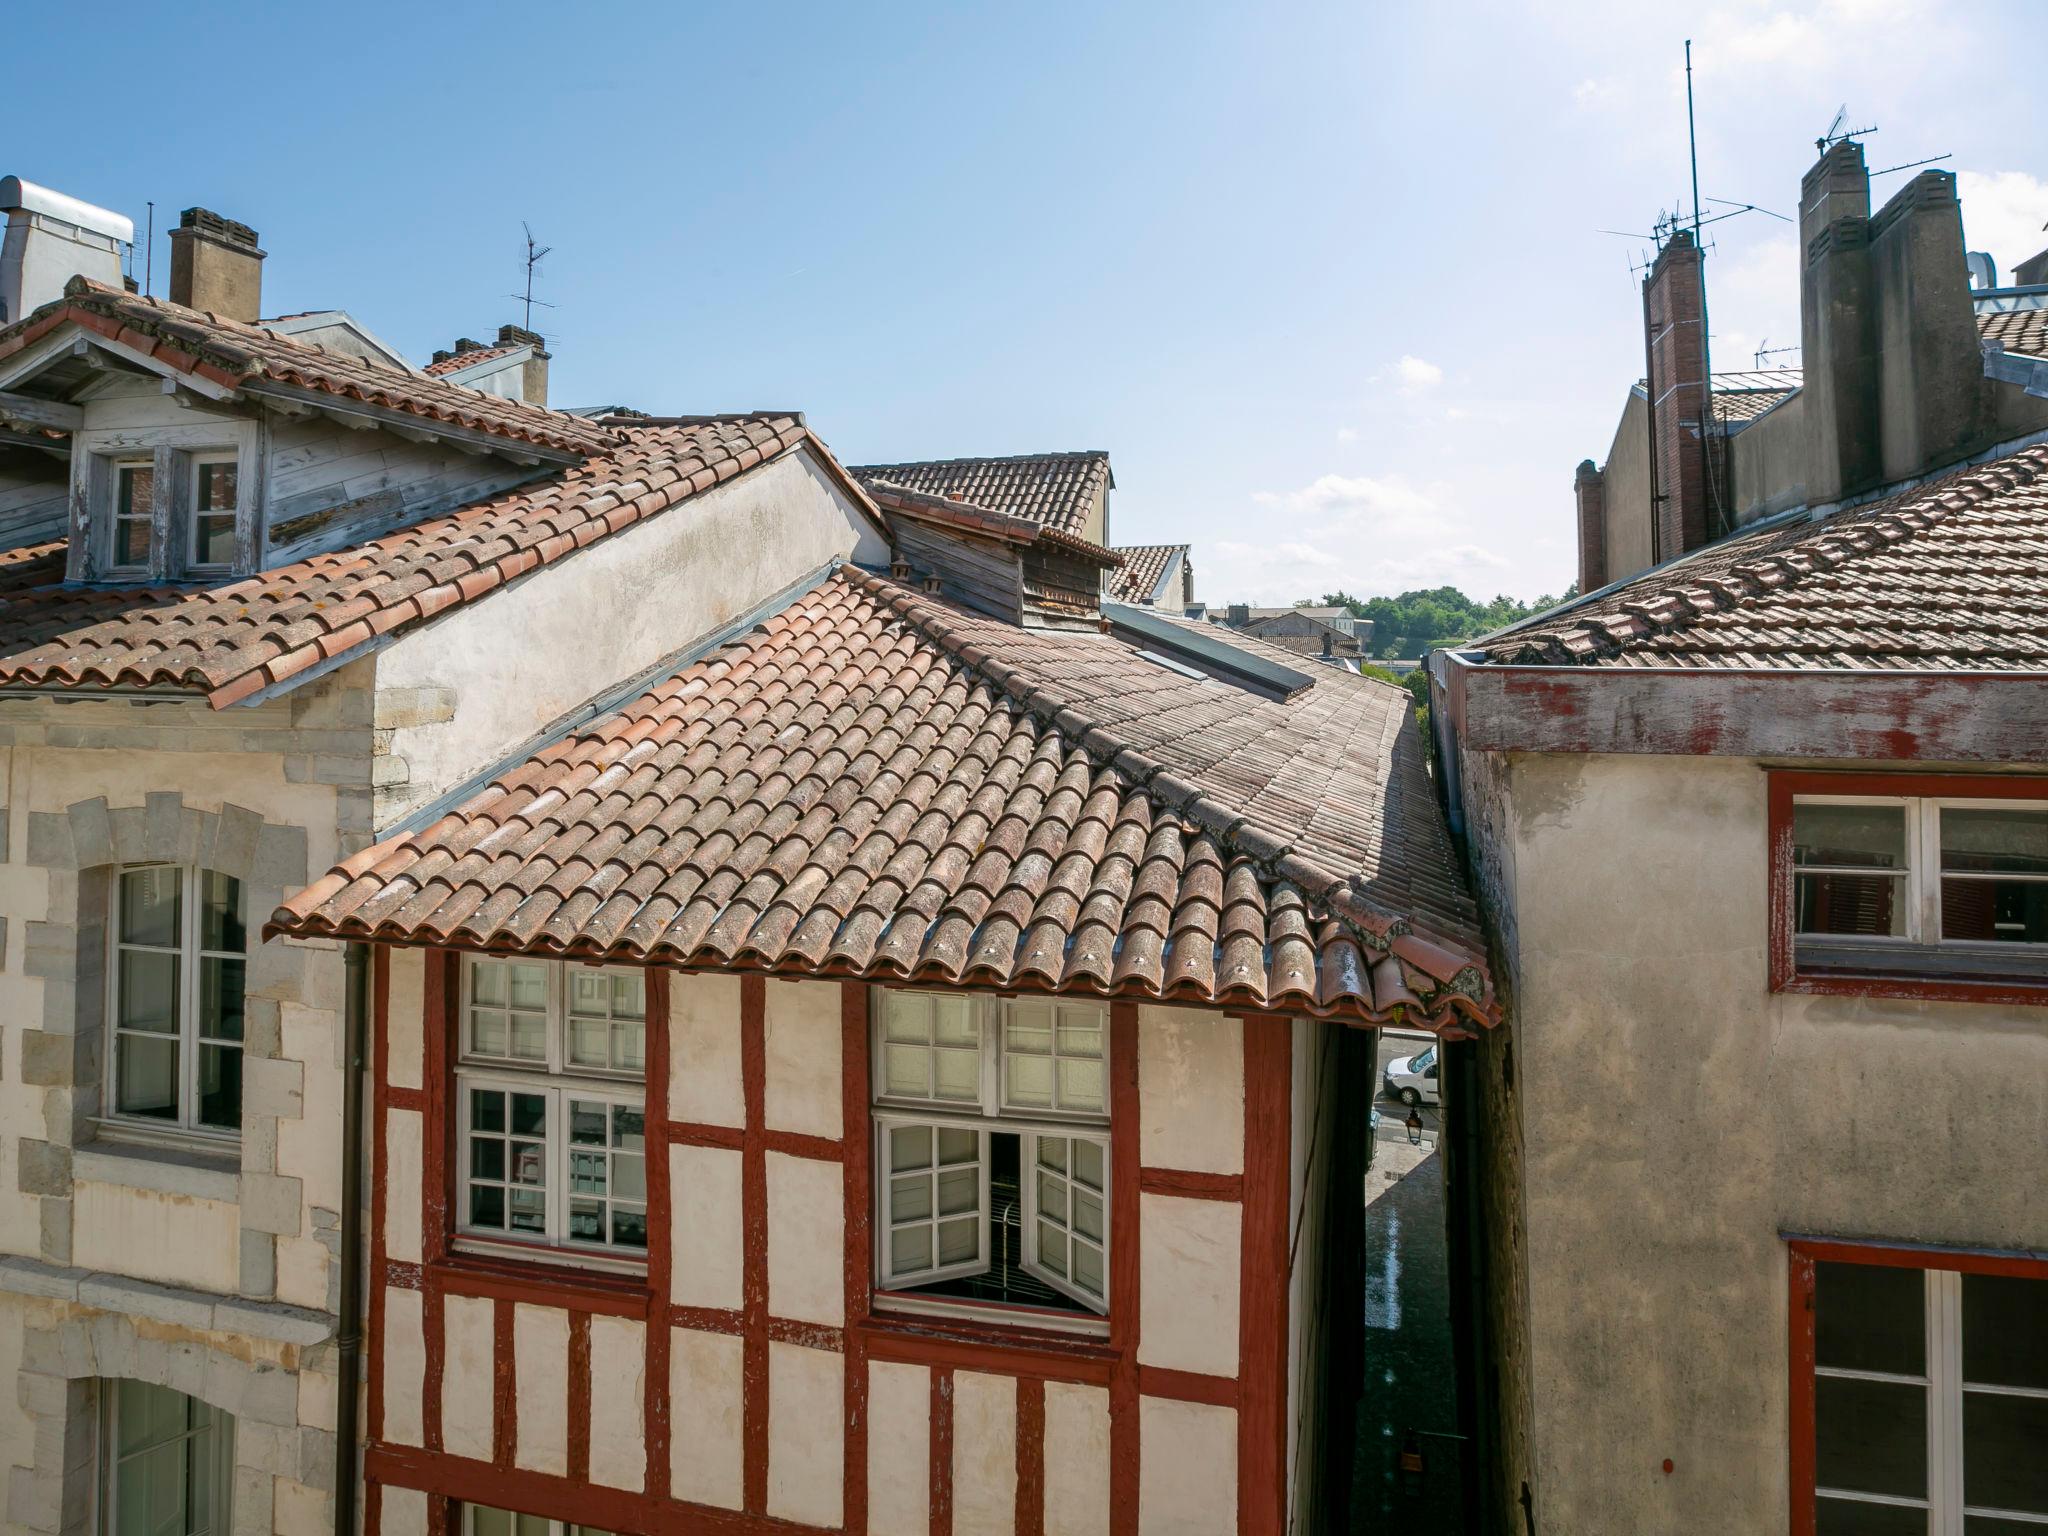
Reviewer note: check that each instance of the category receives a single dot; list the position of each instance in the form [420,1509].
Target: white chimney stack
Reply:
[50,239]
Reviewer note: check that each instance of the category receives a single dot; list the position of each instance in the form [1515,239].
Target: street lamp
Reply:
[1414,1124]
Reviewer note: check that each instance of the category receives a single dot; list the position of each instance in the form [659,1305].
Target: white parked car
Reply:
[1412,1079]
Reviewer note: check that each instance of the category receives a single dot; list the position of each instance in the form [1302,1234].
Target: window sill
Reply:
[545,1274]
[998,1347]
[982,1318]
[204,1168]
[1913,971]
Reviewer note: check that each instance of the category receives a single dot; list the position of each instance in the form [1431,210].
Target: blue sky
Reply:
[1325,279]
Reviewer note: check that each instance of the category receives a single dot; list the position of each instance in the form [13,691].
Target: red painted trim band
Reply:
[1189,1183]
[1188,1386]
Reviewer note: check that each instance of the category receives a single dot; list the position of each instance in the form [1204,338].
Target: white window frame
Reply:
[191,958]
[173,449]
[115,518]
[222,1431]
[990,1114]
[557,1082]
[554,1527]
[1945,1386]
[1922,872]
[195,465]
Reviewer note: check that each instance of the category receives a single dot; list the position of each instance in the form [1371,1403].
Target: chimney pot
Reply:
[216,265]
[1589,487]
[1240,615]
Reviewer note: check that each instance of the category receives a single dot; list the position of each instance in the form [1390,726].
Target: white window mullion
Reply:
[1945,1400]
[1926,864]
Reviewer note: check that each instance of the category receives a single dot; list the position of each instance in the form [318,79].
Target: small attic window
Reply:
[172,504]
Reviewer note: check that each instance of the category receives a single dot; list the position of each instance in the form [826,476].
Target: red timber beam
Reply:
[1123,1269]
[1263,1276]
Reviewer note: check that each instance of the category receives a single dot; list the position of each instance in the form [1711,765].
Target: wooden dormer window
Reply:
[165,504]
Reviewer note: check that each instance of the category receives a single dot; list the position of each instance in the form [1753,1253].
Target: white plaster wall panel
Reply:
[404,1162]
[984,1454]
[179,1239]
[585,620]
[618,1401]
[704,1050]
[405,1365]
[405,1016]
[306,1148]
[1077,1443]
[540,1366]
[1188,1256]
[1187,1469]
[403,1511]
[803,1050]
[302,1264]
[899,1449]
[468,1384]
[710,1227]
[806,1433]
[806,1239]
[707,1417]
[1190,1090]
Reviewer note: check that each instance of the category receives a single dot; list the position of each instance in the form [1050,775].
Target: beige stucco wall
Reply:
[1627,475]
[1767,462]
[1677,1117]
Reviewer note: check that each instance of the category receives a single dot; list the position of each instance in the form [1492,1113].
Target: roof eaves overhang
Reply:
[1834,713]
[297,400]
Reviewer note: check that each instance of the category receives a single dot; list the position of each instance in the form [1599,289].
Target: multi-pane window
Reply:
[215,479]
[168,1463]
[992,1149]
[482,1520]
[1930,1402]
[552,1106]
[1953,886]
[178,967]
[134,494]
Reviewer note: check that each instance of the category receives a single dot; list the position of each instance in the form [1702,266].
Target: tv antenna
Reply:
[1764,349]
[1836,132]
[535,254]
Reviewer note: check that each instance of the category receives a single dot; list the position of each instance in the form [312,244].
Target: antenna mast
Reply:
[535,254]
[1706,359]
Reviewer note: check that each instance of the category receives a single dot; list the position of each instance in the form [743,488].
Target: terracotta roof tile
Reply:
[237,638]
[1144,566]
[915,815]
[2017,330]
[1054,490]
[231,353]
[1949,575]
[465,360]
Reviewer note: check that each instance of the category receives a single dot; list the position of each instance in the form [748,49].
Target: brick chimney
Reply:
[1838,326]
[1674,319]
[1590,489]
[1933,398]
[533,377]
[216,266]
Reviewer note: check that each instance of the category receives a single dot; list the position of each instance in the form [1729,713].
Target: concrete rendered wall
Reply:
[1767,462]
[1677,1117]
[1627,473]
[547,643]
[211,1272]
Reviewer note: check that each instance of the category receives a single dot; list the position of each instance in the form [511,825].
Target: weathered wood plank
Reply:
[31,412]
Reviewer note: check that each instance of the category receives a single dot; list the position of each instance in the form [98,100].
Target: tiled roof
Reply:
[231,354]
[1952,574]
[2017,330]
[873,783]
[1054,489]
[1144,565]
[465,360]
[952,512]
[232,640]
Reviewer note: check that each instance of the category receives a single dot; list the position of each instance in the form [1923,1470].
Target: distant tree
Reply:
[1417,621]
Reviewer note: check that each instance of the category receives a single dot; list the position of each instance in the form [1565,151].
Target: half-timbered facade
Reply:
[851,1089]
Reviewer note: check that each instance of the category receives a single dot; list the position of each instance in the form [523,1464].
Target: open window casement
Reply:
[1066,1215]
[935,1201]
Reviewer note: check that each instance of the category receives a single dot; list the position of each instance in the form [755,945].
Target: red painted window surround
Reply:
[1785,975]
[1805,1253]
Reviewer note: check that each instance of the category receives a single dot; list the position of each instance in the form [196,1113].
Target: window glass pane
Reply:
[489,984]
[149,990]
[2012,911]
[1849,836]
[487,1109]
[1088,1268]
[590,993]
[529,1161]
[220,913]
[1030,1081]
[910,1197]
[954,1022]
[910,1146]
[146,1071]
[1052,1248]
[1869,905]
[487,1206]
[1081,1085]
[587,1123]
[529,1114]
[216,487]
[629,1177]
[910,1250]
[629,995]
[1088,1215]
[906,1016]
[590,1042]
[2005,1331]
[629,1226]
[1028,1028]
[1991,1525]
[529,1211]
[1846,1517]
[957,1146]
[146,1415]
[629,1046]
[959,1190]
[907,1069]
[959,1075]
[213,541]
[628,1127]
[960,1241]
[2004,1465]
[489,1522]
[151,904]
[586,1221]
[486,1157]
[220,1087]
[587,1173]
[1088,1163]
[529,985]
[1871,1436]
[2006,841]
[1052,1196]
[1870,1317]
[529,1037]
[220,999]
[1080,1033]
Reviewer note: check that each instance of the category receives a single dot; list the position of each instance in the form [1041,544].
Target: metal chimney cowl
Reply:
[50,239]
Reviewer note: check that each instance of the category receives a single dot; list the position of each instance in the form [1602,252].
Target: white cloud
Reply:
[1591,95]
[1417,375]
[1351,496]
[2003,212]
[1347,434]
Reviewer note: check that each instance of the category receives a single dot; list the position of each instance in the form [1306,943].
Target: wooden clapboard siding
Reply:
[329,486]
[551,1404]
[35,500]
[982,574]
